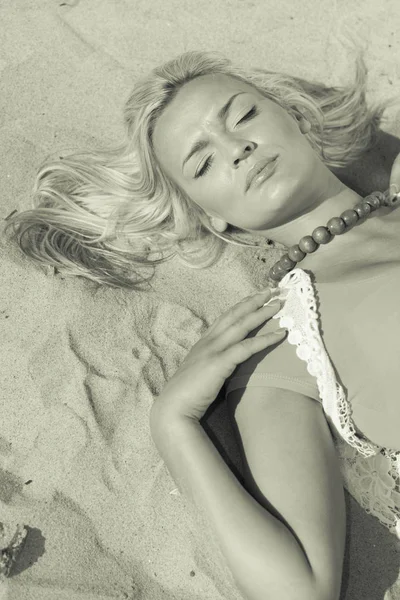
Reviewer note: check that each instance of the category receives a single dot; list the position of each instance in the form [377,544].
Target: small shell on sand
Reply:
[12,538]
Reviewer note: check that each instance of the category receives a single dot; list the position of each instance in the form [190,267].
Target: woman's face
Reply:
[249,128]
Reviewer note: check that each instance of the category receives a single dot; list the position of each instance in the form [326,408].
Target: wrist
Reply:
[165,422]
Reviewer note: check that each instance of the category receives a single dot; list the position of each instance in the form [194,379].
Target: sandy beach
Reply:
[80,368]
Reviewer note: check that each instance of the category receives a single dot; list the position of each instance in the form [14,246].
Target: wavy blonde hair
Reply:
[102,214]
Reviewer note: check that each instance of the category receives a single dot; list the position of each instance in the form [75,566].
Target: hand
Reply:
[197,382]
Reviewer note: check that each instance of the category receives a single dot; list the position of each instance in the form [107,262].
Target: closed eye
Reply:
[252,113]
[206,167]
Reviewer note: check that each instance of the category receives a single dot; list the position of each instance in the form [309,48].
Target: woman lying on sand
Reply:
[212,149]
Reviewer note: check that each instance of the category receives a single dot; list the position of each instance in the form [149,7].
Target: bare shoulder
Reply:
[291,468]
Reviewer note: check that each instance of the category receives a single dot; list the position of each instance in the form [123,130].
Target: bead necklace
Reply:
[325,234]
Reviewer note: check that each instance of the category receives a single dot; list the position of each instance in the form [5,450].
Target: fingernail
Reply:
[280,331]
[275,303]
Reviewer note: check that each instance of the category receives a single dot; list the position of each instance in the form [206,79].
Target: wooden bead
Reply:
[274,275]
[287,262]
[380,196]
[336,226]
[295,254]
[322,235]
[367,205]
[350,217]
[363,209]
[373,201]
[280,269]
[308,245]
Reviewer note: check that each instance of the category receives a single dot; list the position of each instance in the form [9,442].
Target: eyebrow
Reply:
[200,144]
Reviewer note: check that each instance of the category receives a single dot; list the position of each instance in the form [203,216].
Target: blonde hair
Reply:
[101,214]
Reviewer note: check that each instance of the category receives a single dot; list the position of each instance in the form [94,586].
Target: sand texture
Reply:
[80,369]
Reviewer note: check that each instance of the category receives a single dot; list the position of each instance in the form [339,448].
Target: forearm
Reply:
[260,551]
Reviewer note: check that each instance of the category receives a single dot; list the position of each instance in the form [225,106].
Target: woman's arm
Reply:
[258,547]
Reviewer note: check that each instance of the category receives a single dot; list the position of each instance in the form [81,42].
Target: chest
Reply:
[359,306]
[360,328]
[371,248]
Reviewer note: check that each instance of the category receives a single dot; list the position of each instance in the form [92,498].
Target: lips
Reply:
[257,168]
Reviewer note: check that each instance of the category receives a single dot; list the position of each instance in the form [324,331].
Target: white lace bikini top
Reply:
[371,473]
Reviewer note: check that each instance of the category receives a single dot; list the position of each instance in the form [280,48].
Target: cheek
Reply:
[205,201]
[278,130]
[216,191]
[211,198]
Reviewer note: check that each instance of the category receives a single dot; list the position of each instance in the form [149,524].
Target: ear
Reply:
[218,224]
[305,126]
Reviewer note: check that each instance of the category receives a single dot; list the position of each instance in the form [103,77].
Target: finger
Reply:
[240,329]
[226,318]
[250,346]
[243,350]
[239,310]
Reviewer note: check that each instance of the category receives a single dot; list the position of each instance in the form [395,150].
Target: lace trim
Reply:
[371,473]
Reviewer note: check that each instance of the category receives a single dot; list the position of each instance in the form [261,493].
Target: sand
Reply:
[79,370]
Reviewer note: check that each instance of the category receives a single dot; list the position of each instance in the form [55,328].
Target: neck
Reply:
[350,248]
[318,214]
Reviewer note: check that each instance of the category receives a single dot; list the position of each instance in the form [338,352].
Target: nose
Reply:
[236,150]
[241,152]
